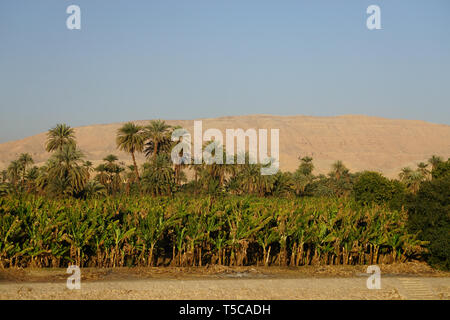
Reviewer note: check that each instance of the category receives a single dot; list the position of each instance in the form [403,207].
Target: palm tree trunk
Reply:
[23,175]
[155,149]
[135,167]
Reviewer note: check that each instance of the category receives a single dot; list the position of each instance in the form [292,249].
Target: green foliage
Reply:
[399,195]
[64,174]
[4,189]
[429,215]
[159,177]
[186,231]
[131,138]
[372,187]
[201,222]
[441,170]
[94,189]
[59,136]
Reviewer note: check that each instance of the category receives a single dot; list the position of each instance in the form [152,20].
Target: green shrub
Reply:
[442,170]
[372,187]
[429,216]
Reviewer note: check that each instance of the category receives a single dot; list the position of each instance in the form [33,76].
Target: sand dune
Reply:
[361,142]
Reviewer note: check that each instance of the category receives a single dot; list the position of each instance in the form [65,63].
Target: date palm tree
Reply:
[434,161]
[249,178]
[159,177]
[338,169]
[102,175]
[110,158]
[14,169]
[66,173]
[306,166]
[404,174]
[94,189]
[25,160]
[422,168]
[415,179]
[211,169]
[31,178]
[111,171]
[131,138]
[89,167]
[59,136]
[412,178]
[157,133]
[303,176]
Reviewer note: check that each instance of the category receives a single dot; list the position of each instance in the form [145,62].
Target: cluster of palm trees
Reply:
[413,178]
[17,171]
[67,173]
[161,177]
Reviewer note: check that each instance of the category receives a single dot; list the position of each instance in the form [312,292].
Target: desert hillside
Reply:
[361,142]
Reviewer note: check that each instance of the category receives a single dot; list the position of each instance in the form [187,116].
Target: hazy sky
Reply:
[169,59]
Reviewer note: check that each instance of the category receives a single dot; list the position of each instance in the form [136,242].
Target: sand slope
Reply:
[361,142]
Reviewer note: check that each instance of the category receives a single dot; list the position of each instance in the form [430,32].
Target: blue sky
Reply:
[135,60]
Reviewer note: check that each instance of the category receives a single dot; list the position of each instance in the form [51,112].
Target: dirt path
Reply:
[414,282]
[325,288]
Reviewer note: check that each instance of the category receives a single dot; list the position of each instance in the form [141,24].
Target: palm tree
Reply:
[303,175]
[249,178]
[94,189]
[102,175]
[129,177]
[338,169]
[31,178]
[300,182]
[434,161]
[157,132]
[25,160]
[66,173]
[306,166]
[422,168]
[14,169]
[110,159]
[42,180]
[88,165]
[131,139]
[59,136]
[404,174]
[415,178]
[110,173]
[159,177]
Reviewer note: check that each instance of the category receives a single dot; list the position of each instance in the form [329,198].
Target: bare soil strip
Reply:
[402,281]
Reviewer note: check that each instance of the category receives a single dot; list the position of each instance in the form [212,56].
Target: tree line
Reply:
[68,174]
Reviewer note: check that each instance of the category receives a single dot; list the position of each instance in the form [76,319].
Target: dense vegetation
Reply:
[429,216]
[190,214]
[178,231]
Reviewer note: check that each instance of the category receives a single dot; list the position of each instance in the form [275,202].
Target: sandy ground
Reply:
[405,281]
